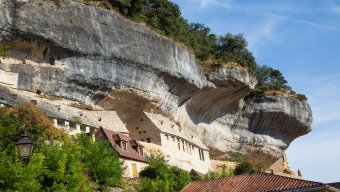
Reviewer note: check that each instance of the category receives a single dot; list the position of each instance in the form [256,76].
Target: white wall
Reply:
[128,164]
[183,159]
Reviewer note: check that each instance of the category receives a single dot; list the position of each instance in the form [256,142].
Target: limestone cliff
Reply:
[97,58]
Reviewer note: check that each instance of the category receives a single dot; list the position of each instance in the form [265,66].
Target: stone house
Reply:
[129,150]
[181,149]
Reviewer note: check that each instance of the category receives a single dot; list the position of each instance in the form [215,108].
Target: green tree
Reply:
[55,164]
[101,161]
[160,177]
[233,48]
[202,41]
[267,76]
[244,166]
[63,168]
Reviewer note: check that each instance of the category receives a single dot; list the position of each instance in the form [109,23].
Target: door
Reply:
[134,170]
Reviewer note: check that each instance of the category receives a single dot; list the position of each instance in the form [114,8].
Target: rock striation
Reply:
[97,58]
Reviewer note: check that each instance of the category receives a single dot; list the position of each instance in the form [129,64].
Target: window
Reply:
[124,145]
[60,122]
[148,140]
[72,125]
[136,127]
[143,140]
[179,144]
[201,153]
[183,145]
[140,132]
[144,131]
[140,151]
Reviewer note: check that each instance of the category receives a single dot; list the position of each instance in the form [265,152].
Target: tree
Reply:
[160,177]
[202,41]
[57,163]
[101,161]
[233,48]
[267,76]
[244,166]
[54,165]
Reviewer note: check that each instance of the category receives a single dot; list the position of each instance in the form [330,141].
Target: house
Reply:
[129,150]
[180,148]
[259,182]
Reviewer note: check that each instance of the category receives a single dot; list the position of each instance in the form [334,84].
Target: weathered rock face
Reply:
[100,59]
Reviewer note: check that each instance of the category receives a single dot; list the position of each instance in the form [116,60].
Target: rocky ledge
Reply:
[100,59]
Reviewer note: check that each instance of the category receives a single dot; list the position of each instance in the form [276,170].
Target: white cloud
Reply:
[262,34]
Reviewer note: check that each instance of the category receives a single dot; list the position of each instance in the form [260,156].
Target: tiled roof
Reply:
[336,185]
[114,138]
[195,173]
[259,182]
[135,143]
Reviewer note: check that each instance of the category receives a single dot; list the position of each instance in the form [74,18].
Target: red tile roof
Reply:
[114,138]
[336,185]
[259,182]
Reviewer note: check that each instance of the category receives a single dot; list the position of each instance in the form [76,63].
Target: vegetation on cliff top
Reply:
[211,51]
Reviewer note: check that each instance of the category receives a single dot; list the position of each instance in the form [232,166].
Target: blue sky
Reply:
[301,38]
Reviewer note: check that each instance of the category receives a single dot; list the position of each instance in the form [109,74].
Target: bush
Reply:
[160,177]
[244,166]
[57,163]
[301,97]
[4,50]
[233,48]
[101,161]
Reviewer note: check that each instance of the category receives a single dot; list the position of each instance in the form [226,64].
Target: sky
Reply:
[301,38]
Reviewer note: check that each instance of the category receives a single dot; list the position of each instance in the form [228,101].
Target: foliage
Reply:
[28,117]
[233,48]
[64,171]
[272,81]
[15,175]
[244,166]
[57,163]
[160,177]
[218,175]
[267,76]
[101,161]
[4,50]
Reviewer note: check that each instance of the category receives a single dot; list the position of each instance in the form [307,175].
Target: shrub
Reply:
[4,50]
[101,161]
[301,97]
[244,166]
[160,177]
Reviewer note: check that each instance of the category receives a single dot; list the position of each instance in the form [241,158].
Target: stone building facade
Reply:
[168,138]
[130,151]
